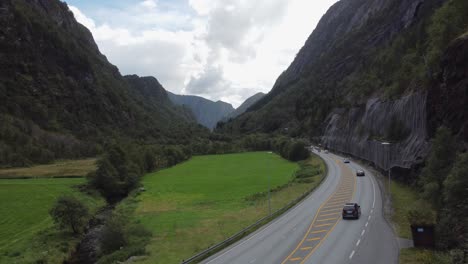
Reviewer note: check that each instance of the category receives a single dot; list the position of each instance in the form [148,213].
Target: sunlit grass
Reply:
[202,202]
[57,169]
[27,233]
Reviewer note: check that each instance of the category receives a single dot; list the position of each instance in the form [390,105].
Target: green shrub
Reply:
[69,212]
[421,213]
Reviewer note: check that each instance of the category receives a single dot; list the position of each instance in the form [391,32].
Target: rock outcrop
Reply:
[344,18]
[361,131]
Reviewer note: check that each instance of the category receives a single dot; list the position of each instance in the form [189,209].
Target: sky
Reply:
[220,49]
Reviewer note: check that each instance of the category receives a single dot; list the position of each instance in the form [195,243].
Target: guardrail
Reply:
[248,230]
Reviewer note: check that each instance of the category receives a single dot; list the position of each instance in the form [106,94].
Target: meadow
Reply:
[203,201]
[64,168]
[27,232]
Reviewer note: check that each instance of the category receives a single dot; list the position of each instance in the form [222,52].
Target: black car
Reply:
[360,173]
[351,210]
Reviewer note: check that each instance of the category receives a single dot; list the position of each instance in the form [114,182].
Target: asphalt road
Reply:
[313,231]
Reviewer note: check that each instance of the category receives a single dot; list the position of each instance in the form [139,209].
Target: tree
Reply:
[298,151]
[106,179]
[454,215]
[114,235]
[69,212]
[438,166]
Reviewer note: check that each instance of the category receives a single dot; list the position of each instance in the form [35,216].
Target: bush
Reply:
[113,236]
[421,213]
[69,212]
[298,151]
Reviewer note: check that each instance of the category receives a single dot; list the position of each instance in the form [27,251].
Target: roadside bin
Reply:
[423,236]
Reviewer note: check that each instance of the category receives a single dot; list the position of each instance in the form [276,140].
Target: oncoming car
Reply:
[360,173]
[346,161]
[351,210]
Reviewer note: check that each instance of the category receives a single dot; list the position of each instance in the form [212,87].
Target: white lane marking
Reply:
[358,242]
[363,231]
[372,211]
[352,254]
[367,224]
[370,216]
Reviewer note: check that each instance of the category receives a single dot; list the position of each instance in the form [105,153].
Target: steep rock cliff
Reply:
[362,25]
[360,131]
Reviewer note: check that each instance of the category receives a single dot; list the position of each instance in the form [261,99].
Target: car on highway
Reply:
[346,160]
[360,173]
[326,151]
[351,210]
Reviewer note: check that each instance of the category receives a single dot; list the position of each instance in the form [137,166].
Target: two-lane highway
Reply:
[313,231]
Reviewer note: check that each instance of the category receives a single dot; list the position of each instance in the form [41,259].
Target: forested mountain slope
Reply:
[249,102]
[207,112]
[366,75]
[60,96]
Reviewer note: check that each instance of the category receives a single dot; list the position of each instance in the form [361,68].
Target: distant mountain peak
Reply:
[208,113]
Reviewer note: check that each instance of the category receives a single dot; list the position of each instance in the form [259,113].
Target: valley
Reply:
[150,132]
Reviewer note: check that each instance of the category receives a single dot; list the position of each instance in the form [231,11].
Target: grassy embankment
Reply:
[403,197]
[66,168]
[27,233]
[209,198]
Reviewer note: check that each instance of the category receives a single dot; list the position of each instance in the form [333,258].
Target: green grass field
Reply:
[26,229]
[203,201]
[403,198]
[62,168]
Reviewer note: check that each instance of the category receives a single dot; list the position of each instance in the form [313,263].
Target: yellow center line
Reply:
[333,227]
[306,248]
[327,219]
[340,202]
[334,206]
[330,210]
[323,225]
[342,195]
[329,214]
[343,190]
[319,231]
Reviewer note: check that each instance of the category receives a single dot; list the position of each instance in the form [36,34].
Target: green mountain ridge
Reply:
[61,97]
[206,112]
[361,51]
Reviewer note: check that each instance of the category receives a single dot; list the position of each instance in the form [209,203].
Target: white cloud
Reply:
[224,49]
[150,4]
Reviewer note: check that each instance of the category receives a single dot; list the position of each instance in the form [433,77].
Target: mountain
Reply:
[61,98]
[373,71]
[207,113]
[245,106]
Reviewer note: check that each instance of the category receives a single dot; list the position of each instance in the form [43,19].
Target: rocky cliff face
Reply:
[382,20]
[360,131]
